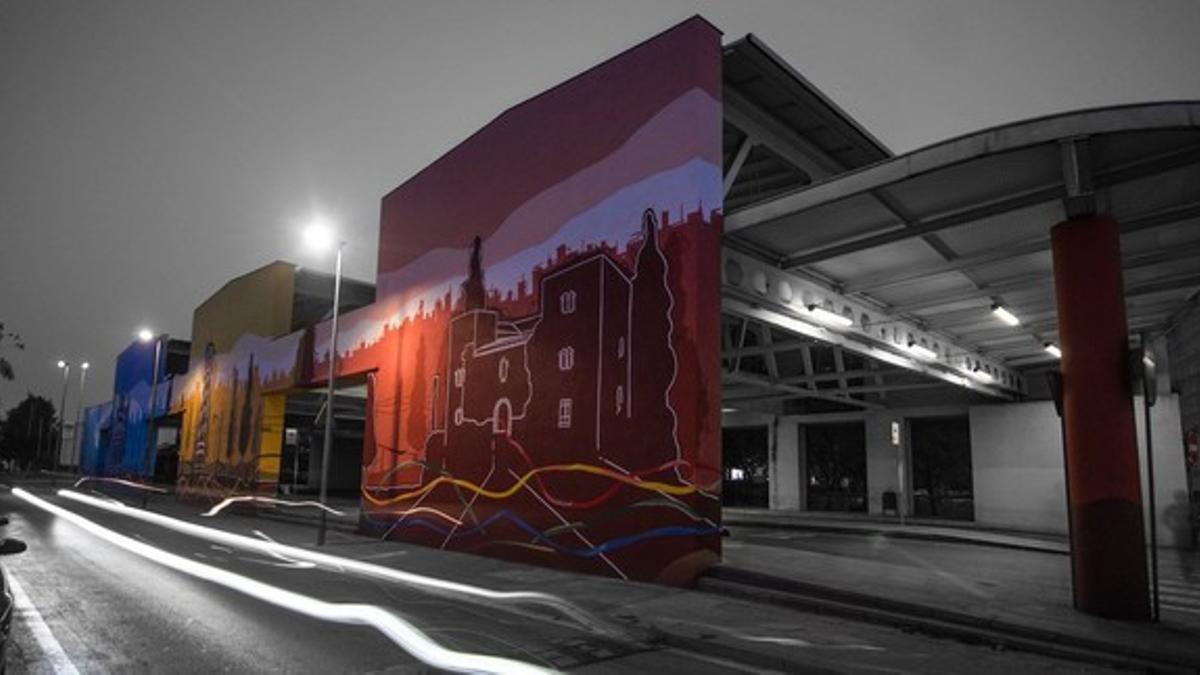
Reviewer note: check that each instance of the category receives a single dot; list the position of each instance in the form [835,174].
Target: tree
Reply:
[8,340]
[28,429]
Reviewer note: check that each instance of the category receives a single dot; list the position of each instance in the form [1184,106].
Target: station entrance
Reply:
[745,455]
[836,467]
[941,468]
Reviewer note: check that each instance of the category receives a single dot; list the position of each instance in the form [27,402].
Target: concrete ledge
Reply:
[920,532]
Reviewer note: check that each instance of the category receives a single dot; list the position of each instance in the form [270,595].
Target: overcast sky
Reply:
[150,151]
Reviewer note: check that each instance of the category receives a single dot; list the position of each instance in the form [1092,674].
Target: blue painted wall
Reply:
[93,449]
[126,453]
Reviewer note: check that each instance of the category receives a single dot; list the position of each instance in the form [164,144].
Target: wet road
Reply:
[96,607]
[111,589]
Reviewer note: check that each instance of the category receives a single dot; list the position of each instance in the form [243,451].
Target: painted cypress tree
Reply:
[653,360]
[473,290]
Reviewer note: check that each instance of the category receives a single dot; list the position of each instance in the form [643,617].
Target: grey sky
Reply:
[149,151]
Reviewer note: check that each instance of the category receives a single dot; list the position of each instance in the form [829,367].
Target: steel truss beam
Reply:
[759,291]
[793,391]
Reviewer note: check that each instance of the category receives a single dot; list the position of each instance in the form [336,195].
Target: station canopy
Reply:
[917,250]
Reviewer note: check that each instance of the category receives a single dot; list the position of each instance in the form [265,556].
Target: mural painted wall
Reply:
[127,453]
[542,359]
[233,397]
[93,448]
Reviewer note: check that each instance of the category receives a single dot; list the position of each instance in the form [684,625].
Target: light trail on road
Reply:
[120,481]
[229,501]
[427,583]
[401,632]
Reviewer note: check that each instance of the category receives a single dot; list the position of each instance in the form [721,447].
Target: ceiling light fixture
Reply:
[832,318]
[1005,315]
[1053,350]
[921,350]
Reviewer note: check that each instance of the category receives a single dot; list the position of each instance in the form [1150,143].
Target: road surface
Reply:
[112,590]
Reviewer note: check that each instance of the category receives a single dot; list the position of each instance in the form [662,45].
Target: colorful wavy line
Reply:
[656,486]
[610,545]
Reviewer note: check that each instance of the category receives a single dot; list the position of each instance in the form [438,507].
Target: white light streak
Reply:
[404,634]
[267,500]
[120,481]
[426,583]
[1053,350]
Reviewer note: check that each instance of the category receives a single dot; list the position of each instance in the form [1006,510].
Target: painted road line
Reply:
[28,614]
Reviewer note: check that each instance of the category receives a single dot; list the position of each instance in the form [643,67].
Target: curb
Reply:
[936,621]
[1048,547]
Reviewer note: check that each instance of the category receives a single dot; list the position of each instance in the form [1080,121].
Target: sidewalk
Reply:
[1003,588]
[913,528]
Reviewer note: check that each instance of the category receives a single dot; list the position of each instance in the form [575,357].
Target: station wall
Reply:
[1017,456]
[232,400]
[542,356]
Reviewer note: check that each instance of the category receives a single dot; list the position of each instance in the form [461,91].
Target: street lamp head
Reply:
[85,365]
[145,335]
[62,364]
[319,235]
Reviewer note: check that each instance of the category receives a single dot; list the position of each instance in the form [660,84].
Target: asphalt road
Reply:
[110,610]
[90,604]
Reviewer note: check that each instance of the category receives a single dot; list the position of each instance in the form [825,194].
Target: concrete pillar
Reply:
[882,458]
[787,476]
[1107,537]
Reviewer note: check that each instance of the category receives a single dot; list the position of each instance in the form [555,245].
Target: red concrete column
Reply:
[1108,554]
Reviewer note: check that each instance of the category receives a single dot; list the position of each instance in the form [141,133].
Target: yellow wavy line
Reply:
[425,509]
[654,486]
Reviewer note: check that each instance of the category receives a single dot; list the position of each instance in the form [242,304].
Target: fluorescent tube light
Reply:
[1053,350]
[1005,315]
[922,351]
[832,318]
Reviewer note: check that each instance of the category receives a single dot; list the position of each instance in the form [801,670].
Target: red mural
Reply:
[542,362]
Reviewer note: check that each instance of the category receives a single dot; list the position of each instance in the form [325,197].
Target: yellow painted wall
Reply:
[259,302]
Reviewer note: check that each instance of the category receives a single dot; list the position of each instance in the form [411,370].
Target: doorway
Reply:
[941,468]
[836,467]
[744,466]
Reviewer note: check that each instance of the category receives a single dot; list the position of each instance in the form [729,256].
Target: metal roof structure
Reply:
[915,251]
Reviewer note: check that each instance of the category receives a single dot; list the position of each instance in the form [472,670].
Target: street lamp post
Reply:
[145,335]
[320,236]
[62,411]
[78,440]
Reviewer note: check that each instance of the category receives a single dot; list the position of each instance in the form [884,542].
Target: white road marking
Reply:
[26,613]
